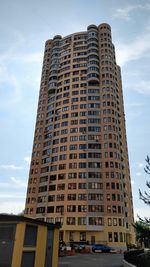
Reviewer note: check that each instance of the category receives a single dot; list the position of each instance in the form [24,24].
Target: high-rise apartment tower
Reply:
[79,173]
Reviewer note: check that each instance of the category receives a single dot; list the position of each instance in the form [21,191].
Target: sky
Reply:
[24,28]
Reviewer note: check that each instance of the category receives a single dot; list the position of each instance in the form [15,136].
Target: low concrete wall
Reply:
[127,264]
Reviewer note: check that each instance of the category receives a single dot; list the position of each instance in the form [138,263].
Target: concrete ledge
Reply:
[127,264]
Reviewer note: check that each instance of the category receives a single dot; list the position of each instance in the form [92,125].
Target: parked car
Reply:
[102,248]
[78,247]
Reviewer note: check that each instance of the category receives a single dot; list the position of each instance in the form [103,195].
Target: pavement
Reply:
[92,260]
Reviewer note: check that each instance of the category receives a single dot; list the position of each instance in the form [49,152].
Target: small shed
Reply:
[26,242]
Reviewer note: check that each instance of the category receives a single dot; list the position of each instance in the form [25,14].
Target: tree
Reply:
[142,233]
[143,225]
[146,197]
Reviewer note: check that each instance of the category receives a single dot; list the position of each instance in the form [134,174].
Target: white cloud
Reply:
[27,159]
[11,166]
[30,57]
[124,13]
[13,182]
[138,174]
[132,105]
[12,196]
[18,182]
[132,182]
[135,50]
[140,165]
[14,207]
[142,87]
[4,185]
[11,85]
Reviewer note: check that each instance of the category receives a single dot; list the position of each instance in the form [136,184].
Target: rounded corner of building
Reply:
[92,27]
[104,25]
[48,42]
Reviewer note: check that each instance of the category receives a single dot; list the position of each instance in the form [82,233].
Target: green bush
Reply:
[138,258]
[143,260]
[131,256]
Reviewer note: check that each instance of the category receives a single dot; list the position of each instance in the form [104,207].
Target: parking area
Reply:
[91,260]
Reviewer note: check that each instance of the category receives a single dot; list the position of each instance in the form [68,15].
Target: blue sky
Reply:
[24,27]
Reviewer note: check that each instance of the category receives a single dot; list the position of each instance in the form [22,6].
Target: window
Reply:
[82,175]
[110,237]
[73,165]
[94,164]
[72,186]
[82,156]
[62,166]
[30,236]
[93,196]
[60,209]
[82,137]
[121,237]
[113,197]
[74,114]
[94,175]
[73,147]
[83,121]
[114,222]
[50,209]
[64,131]
[94,155]
[96,221]
[96,208]
[82,197]
[73,138]
[71,196]
[71,208]
[61,176]
[28,259]
[95,185]
[114,209]
[61,187]
[63,140]
[53,177]
[71,221]
[109,209]
[94,146]
[43,188]
[40,199]
[94,129]
[72,175]
[82,185]
[115,237]
[82,221]
[82,146]
[82,236]
[59,219]
[63,148]
[82,165]
[51,198]
[52,187]
[82,208]
[60,197]
[109,222]
[82,130]
[108,197]
[73,130]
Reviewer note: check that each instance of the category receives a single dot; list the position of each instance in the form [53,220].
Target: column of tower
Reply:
[79,172]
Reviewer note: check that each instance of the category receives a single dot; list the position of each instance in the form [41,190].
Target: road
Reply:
[91,260]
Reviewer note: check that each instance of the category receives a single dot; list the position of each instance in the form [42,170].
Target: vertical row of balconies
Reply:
[54,65]
[93,55]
